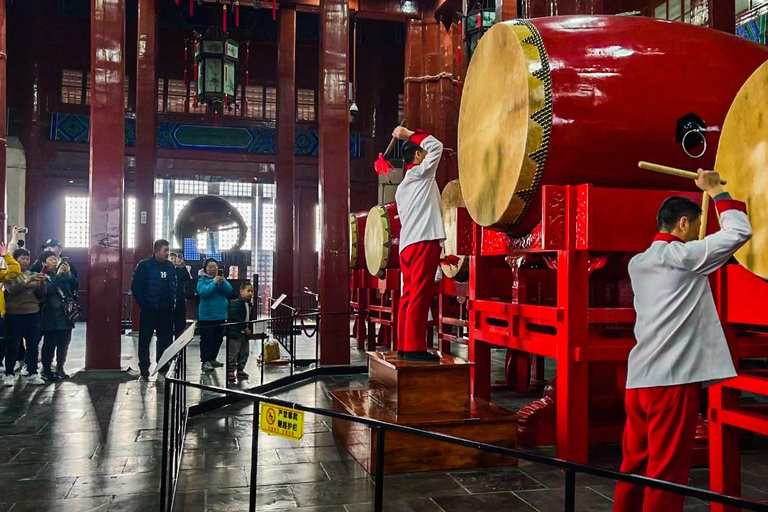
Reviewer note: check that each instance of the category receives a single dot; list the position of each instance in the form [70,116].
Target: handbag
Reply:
[72,310]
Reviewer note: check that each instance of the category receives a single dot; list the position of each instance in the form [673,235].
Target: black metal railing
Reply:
[175,414]
[570,469]
[177,411]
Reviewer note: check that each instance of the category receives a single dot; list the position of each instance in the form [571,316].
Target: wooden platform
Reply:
[432,396]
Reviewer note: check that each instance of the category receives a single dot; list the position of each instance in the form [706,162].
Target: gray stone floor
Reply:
[94,442]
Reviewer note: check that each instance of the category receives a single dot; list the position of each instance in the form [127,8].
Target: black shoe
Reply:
[61,374]
[48,375]
[427,357]
[145,374]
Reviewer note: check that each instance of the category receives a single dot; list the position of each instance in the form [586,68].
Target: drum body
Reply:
[581,99]
[357,240]
[382,239]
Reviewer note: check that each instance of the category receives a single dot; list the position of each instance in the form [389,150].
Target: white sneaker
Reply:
[24,371]
[18,366]
[9,381]
[36,380]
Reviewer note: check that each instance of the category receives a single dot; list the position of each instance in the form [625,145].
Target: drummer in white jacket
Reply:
[680,347]
[421,236]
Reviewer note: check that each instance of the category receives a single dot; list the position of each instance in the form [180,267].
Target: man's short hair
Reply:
[675,208]
[173,255]
[245,285]
[409,151]
[159,244]
[18,253]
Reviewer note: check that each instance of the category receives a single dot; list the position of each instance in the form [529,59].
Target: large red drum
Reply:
[357,240]
[581,99]
[382,239]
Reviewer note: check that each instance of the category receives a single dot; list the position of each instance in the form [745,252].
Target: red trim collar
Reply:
[410,166]
[666,237]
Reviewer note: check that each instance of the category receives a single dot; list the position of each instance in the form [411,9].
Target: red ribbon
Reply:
[480,19]
[382,165]
[224,17]
[237,14]
[274,10]
[451,260]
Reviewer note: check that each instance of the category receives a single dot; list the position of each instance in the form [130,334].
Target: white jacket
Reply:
[418,198]
[679,336]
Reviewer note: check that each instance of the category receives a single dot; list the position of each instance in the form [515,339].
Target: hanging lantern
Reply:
[480,17]
[216,60]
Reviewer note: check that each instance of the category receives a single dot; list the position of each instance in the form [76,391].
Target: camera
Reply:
[220,272]
[22,230]
[353,110]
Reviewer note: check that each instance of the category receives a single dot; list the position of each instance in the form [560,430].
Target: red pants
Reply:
[418,263]
[658,443]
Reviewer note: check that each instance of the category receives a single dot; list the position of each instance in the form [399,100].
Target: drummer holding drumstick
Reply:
[680,347]
[421,236]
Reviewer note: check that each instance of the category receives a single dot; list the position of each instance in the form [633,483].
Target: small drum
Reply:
[458,232]
[382,239]
[357,240]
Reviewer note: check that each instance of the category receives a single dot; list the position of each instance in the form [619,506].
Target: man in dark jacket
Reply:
[182,283]
[53,245]
[154,288]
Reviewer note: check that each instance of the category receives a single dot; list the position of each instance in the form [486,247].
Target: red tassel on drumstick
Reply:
[382,165]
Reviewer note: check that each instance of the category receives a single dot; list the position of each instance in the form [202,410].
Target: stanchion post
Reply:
[254,455]
[570,490]
[379,489]
[166,445]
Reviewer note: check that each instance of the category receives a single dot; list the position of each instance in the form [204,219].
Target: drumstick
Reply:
[670,170]
[704,215]
[392,142]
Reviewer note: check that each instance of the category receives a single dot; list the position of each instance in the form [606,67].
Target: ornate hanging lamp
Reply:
[477,21]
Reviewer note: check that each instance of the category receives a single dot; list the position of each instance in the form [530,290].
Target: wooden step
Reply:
[406,453]
[414,389]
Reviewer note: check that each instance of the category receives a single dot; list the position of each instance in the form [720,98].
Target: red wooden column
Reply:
[334,181]
[285,159]
[102,350]
[506,10]
[722,15]
[3,134]
[146,127]
[413,69]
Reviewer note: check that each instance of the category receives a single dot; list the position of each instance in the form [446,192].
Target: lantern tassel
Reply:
[196,74]
[186,77]
[480,19]
[224,17]
[177,2]
[274,10]
[247,77]
[191,7]
[237,13]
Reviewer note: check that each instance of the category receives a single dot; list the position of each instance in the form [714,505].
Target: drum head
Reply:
[451,199]
[504,124]
[378,240]
[742,160]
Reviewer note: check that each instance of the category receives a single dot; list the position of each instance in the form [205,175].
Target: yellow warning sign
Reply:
[281,421]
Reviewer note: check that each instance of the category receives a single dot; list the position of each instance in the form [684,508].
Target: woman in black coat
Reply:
[56,328]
